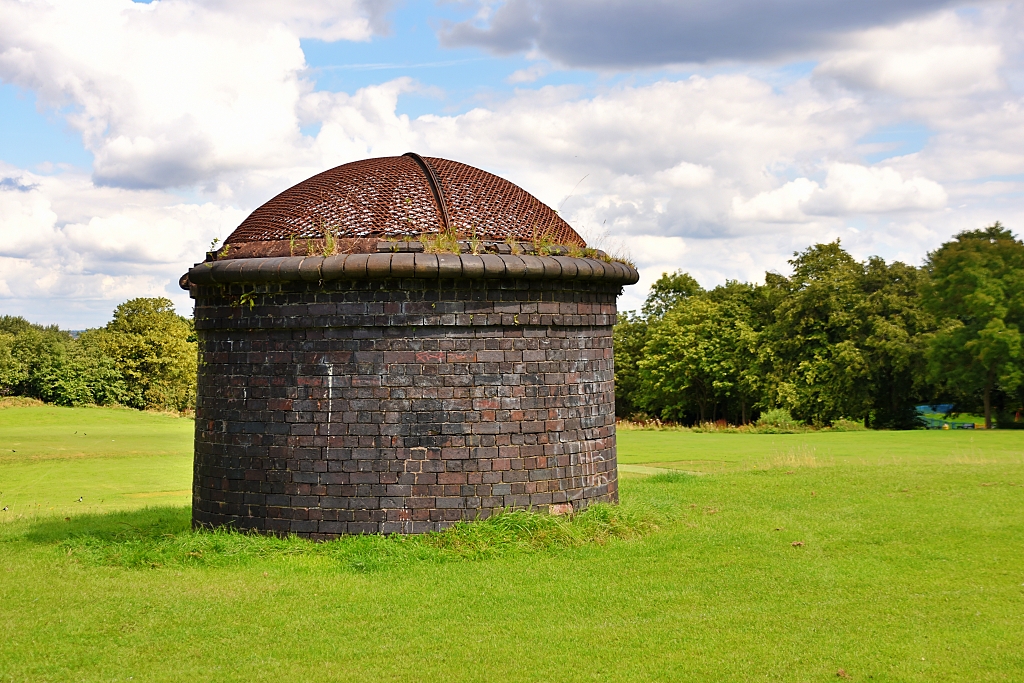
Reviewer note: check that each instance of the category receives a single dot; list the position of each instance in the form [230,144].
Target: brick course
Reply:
[399,404]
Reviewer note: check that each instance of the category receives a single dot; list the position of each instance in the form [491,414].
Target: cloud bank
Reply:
[723,174]
[611,34]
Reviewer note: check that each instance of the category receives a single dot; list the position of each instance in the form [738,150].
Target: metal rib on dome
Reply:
[405,196]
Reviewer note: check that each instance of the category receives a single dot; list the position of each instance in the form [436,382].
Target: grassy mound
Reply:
[162,537]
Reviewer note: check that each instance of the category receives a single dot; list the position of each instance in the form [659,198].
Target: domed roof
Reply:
[405,196]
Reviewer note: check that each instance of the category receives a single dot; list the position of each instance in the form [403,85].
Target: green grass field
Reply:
[909,566]
[111,458]
[722,453]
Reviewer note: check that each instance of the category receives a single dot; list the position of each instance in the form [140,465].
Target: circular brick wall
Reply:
[401,393]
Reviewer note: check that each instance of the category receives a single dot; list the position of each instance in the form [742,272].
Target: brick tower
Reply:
[399,344]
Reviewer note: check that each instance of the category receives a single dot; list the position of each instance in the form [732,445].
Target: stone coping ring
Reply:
[406,265]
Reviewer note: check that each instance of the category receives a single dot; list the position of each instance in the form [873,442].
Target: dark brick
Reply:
[401,406]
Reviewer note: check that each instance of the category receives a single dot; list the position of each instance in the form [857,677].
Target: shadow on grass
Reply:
[162,537]
[151,522]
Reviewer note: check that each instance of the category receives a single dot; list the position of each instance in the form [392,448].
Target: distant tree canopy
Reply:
[975,287]
[838,338]
[144,358]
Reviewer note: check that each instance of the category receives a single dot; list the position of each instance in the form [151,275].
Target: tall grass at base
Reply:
[19,402]
[163,538]
[774,421]
[649,425]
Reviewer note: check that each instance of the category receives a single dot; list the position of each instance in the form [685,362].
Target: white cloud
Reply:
[686,175]
[648,150]
[855,189]
[529,74]
[176,92]
[27,218]
[328,20]
[849,189]
[72,245]
[938,56]
[783,205]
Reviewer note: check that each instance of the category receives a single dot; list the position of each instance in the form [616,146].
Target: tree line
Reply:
[144,358]
[837,339]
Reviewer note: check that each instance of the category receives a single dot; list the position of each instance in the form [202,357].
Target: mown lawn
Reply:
[719,452]
[110,458]
[911,568]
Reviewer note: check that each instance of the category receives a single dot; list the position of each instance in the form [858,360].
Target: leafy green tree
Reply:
[741,308]
[106,384]
[699,361]
[12,371]
[686,365]
[15,324]
[49,364]
[894,342]
[814,365]
[629,336]
[62,377]
[975,287]
[669,290]
[41,351]
[154,350]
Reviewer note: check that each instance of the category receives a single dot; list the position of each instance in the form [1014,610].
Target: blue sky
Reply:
[32,135]
[714,137]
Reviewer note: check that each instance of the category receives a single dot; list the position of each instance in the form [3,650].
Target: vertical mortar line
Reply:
[330,405]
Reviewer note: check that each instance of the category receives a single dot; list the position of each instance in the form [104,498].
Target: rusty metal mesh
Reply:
[393,197]
[375,197]
[490,207]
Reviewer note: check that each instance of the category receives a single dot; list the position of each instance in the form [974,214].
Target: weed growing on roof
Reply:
[474,242]
[621,258]
[542,243]
[330,246]
[439,242]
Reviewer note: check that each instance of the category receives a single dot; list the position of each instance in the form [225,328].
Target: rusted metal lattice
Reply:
[490,207]
[406,195]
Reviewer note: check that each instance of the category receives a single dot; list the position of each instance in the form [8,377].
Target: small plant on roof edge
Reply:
[542,243]
[330,244]
[513,245]
[440,242]
[474,242]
